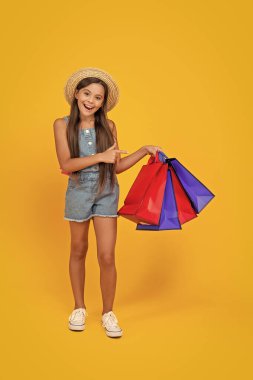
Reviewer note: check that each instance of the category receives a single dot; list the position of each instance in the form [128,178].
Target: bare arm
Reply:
[69,165]
[63,154]
[128,161]
[78,163]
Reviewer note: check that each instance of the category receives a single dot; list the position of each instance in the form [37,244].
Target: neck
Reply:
[86,119]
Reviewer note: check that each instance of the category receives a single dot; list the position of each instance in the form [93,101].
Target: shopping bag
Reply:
[186,207]
[197,192]
[169,215]
[176,202]
[143,202]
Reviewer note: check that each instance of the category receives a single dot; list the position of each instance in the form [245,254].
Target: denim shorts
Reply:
[82,202]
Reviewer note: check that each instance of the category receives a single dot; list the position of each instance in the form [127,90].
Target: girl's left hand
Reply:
[152,149]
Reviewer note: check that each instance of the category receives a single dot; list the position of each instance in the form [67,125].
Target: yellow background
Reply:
[184,298]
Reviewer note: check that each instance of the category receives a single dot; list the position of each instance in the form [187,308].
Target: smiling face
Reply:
[90,98]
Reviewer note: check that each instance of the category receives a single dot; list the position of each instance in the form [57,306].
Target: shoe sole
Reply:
[113,334]
[76,327]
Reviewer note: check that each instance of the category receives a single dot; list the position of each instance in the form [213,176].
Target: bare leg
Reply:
[106,233]
[78,252]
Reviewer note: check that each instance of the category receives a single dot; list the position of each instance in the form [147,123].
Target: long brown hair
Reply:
[104,136]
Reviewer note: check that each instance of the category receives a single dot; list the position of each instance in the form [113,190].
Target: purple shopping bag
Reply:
[169,216]
[198,194]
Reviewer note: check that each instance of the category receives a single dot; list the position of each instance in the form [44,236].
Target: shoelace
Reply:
[79,314]
[111,319]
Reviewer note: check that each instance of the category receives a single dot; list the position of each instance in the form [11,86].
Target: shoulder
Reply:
[60,123]
[112,126]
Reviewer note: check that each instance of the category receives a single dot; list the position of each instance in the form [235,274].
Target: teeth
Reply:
[89,108]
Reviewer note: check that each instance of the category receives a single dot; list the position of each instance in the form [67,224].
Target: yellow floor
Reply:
[187,340]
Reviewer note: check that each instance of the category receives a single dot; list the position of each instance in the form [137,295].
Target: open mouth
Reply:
[88,108]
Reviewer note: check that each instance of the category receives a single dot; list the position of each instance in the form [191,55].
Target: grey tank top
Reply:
[87,146]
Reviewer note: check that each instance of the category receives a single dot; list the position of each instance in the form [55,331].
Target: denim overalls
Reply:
[81,201]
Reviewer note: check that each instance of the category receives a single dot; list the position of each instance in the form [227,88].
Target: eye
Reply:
[98,98]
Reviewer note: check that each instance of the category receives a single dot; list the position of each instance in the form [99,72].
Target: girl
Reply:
[87,149]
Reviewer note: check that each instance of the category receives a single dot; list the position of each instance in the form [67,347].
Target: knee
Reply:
[106,259]
[79,250]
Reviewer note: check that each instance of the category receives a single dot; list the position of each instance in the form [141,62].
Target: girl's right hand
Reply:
[110,155]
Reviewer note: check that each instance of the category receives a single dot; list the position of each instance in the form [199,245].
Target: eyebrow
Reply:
[86,89]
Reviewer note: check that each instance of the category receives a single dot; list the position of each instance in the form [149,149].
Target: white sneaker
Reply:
[110,324]
[77,319]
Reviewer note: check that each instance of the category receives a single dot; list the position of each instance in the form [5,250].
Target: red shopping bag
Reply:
[143,202]
[184,207]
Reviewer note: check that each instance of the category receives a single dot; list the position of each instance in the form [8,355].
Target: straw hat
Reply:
[77,76]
